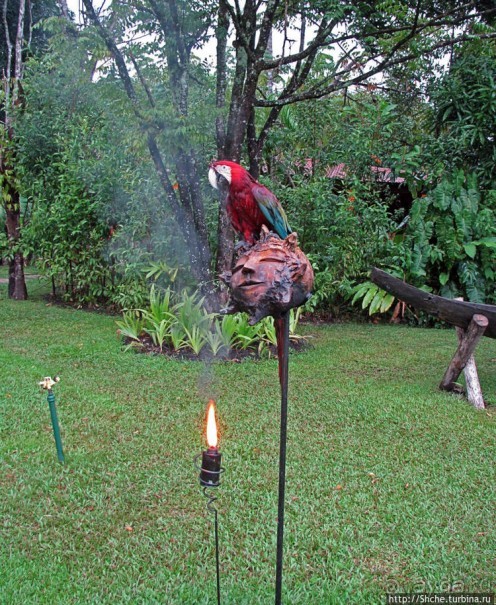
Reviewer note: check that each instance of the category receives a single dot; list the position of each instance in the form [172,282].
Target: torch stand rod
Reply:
[211,508]
[217,564]
[282,331]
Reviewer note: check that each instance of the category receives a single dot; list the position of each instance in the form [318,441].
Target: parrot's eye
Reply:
[224,171]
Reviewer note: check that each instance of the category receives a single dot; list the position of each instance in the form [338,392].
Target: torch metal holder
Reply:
[210,480]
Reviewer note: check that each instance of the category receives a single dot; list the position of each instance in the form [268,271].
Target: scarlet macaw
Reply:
[249,203]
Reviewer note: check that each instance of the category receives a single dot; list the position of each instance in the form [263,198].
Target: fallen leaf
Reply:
[129,528]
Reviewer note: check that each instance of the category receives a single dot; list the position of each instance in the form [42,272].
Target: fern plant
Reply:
[374,298]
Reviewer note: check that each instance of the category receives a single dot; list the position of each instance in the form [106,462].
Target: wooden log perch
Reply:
[472,321]
[465,350]
[456,312]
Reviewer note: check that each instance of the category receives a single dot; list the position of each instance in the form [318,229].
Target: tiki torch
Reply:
[46,384]
[211,458]
[210,472]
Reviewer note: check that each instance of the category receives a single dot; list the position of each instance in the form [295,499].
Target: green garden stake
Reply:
[47,384]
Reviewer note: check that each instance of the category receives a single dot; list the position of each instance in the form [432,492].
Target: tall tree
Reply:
[12,74]
[177,36]
[361,40]
[17,41]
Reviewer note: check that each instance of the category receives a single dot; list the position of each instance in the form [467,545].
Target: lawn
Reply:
[391,483]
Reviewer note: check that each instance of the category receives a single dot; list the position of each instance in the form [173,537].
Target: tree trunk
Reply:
[225,233]
[11,79]
[221,85]
[225,243]
[17,283]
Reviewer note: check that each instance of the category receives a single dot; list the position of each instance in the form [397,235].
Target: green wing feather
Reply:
[272,210]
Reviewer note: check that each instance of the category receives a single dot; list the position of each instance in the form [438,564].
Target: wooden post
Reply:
[466,347]
[474,391]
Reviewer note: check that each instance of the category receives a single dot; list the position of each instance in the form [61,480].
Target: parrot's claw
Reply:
[228,310]
[242,246]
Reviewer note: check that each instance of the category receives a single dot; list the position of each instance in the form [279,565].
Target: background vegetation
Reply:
[116,122]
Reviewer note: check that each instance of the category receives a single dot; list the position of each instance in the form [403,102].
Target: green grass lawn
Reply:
[391,483]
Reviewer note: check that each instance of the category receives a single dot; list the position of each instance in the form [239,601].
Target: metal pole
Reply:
[217,562]
[211,499]
[55,425]
[282,331]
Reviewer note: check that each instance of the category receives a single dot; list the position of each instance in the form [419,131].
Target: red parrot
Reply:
[249,203]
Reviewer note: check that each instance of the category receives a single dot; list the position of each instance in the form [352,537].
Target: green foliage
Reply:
[99,226]
[159,317]
[449,246]
[374,298]
[348,225]
[235,332]
[179,322]
[68,236]
[451,239]
[160,306]
[465,112]
[344,234]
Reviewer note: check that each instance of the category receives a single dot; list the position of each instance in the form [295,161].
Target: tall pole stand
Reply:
[282,332]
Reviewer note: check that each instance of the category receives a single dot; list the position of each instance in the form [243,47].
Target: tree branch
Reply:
[221,71]
[341,84]
[455,16]
[141,78]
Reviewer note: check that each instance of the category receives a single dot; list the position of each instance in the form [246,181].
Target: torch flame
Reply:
[211,425]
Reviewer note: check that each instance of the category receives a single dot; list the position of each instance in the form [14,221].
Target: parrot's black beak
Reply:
[222,182]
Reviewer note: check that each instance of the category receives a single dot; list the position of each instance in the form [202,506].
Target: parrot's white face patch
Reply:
[221,170]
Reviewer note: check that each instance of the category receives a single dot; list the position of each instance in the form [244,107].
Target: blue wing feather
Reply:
[272,210]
